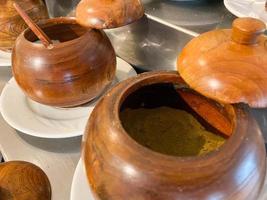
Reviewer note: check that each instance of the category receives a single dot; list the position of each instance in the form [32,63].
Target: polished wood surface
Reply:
[103,14]
[11,24]
[228,65]
[211,113]
[73,72]
[118,168]
[23,181]
[33,26]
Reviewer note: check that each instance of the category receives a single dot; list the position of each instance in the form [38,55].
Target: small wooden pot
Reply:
[119,168]
[11,24]
[73,72]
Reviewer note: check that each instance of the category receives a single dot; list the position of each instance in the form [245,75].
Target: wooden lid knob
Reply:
[246,30]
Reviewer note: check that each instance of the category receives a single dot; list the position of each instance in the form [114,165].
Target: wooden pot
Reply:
[119,168]
[11,24]
[73,72]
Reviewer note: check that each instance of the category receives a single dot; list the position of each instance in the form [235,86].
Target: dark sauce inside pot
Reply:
[158,118]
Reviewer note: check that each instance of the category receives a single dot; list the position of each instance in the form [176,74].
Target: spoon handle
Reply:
[34,27]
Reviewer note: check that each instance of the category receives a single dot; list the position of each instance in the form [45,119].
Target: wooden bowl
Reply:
[102,14]
[73,72]
[119,168]
[11,24]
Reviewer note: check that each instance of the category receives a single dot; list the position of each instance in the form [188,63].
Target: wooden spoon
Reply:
[208,111]
[34,27]
[23,181]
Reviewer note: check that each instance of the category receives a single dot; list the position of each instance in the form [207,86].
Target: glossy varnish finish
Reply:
[11,24]
[228,65]
[118,168]
[23,181]
[73,72]
[103,14]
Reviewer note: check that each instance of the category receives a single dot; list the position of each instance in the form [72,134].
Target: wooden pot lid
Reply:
[21,180]
[104,14]
[228,65]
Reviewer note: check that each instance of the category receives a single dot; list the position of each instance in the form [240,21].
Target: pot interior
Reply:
[158,117]
[58,31]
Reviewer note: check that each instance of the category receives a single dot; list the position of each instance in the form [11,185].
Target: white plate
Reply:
[247,8]
[44,121]
[80,188]
[5,59]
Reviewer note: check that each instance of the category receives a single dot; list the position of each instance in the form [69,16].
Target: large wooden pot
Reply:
[11,24]
[73,72]
[119,168]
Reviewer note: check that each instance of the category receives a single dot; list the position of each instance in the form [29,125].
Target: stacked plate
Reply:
[247,8]
[80,188]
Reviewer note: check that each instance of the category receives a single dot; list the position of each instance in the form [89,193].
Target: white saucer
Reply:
[247,8]
[80,188]
[44,121]
[5,59]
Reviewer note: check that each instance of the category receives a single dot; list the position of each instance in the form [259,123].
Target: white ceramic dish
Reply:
[80,188]
[44,121]
[247,8]
[5,59]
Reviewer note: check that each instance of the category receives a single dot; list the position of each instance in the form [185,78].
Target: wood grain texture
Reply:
[73,72]
[23,181]
[11,24]
[118,168]
[228,65]
[102,14]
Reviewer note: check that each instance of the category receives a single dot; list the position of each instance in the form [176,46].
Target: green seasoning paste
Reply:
[169,131]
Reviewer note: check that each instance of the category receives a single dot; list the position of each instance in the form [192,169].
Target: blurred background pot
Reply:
[72,72]
[11,24]
[119,168]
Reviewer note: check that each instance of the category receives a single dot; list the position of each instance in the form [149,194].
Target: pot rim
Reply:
[230,146]
[53,22]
